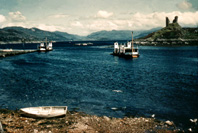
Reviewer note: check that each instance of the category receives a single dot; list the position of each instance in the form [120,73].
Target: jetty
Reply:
[11,52]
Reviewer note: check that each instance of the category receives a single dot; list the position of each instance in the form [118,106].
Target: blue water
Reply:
[162,81]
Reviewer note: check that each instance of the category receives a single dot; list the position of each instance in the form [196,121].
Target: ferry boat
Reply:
[126,50]
[45,46]
[41,47]
[49,46]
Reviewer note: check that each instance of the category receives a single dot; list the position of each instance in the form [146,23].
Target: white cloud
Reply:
[16,16]
[49,27]
[9,24]
[58,16]
[86,25]
[140,21]
[2,19]
[98,25]
[104,14]
[77,24]
[184,5]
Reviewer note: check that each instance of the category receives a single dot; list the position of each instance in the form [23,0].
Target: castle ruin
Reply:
[174,21]
[167,21]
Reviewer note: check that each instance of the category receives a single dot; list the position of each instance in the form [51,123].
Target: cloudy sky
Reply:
[83,17]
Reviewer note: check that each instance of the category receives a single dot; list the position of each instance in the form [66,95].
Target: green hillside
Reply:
[173,31]
[18,34]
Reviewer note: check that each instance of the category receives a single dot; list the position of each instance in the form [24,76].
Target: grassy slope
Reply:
[173,31]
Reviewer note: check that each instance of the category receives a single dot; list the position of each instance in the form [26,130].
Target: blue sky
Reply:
[83,17]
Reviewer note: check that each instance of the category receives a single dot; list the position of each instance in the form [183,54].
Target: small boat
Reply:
[45,111]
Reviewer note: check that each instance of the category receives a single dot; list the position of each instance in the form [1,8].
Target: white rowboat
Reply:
[45,111]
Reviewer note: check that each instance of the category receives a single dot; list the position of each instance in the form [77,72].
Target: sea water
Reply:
[162,81]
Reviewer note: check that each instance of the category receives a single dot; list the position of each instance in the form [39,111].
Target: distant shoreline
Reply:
[140,42]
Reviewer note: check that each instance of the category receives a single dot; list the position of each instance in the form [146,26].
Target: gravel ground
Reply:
[77,122]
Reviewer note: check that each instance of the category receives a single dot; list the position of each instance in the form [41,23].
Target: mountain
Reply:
[118,34]
[19,34]
[68,36]
[32,34]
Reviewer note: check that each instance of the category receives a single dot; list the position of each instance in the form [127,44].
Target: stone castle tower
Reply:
[167,21]
[174,21]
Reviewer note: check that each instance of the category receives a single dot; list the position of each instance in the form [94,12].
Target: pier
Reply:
[11,52]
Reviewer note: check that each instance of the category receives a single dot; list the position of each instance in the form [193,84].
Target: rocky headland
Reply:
[171,35]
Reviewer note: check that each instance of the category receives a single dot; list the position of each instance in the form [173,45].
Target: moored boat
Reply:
[49,46]
[45,111]
[41,47]
[45,46]
[126,50]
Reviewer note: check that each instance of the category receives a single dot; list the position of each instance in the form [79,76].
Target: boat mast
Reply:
[46,41]
[132,43]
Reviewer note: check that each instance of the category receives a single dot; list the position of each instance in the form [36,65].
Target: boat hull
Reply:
[45,111]
[126,55]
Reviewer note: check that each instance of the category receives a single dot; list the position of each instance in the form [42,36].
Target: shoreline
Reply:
[140,42]
[14,121]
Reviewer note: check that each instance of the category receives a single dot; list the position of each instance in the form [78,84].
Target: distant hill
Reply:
[68,36]
[33,34]
[118,34]
[19,34]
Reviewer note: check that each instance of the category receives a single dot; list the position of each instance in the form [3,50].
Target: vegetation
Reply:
[173,31]
[20,34]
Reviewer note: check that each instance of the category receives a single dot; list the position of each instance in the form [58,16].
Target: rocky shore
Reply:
[77,122]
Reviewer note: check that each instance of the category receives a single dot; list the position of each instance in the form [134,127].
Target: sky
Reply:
[83,17]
